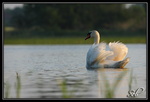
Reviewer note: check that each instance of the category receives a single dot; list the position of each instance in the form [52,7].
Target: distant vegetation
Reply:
[72,40]
[74,20]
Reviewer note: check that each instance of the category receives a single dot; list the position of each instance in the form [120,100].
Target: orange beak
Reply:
[88,36]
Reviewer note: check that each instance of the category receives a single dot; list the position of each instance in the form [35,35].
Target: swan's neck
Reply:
[96,38]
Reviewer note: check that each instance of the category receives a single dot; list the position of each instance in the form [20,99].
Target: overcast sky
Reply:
[12,6]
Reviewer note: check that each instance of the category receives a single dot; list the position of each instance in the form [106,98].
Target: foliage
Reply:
[72,40]
[18,85]
[110,89]
[7,87]
[63,87]
[76,16]
[33,23]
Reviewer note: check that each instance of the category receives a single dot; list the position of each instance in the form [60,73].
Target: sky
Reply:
[12,6]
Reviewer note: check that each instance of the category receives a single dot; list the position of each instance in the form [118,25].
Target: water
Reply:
[44,68]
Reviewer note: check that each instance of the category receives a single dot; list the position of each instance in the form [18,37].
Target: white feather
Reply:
[98,56]
[120,51]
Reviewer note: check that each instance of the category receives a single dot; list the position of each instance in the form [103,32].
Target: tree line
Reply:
[58,17]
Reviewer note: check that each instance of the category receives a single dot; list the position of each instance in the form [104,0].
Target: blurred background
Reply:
[35,68]
[57,23]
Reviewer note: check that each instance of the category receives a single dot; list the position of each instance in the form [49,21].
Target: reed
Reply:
[18,85]
[7,87]
[109,89]
[131,80]
[65,92]
[71,40]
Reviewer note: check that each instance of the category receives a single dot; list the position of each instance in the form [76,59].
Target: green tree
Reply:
[17,18]
[78,16]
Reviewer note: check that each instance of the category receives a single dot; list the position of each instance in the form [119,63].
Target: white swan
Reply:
[98,57]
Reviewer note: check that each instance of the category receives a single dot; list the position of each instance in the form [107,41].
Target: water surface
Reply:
[47,70]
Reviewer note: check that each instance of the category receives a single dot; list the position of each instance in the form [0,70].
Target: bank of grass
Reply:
[72,40]
[9,29]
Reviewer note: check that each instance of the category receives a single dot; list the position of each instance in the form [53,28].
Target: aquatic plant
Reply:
[71,40]
[109,89]
[18,85]
[63,86]
[131,79]
[7,87]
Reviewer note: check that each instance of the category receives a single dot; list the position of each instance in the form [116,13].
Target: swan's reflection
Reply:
[111,83]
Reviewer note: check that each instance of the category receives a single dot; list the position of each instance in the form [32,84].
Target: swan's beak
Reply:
[88,36]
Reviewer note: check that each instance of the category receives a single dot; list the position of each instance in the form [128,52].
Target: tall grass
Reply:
[18,85]
[72,40]
[64,89]
[7,87]
[108,90]
[131,80]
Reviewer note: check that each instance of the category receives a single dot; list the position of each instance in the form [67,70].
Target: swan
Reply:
[99,57]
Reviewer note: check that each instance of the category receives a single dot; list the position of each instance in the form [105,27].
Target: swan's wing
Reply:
[102,56]
[97,54]
[119,49]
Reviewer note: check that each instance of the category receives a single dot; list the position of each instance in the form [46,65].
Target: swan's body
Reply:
[98,57]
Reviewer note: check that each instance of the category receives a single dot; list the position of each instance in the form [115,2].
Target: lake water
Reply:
[58,71]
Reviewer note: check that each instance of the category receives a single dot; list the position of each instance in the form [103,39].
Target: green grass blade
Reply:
[18,85]
[7,89]
[118,80]
[108,93]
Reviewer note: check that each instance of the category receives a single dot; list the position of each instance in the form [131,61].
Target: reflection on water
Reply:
[48,72]
[56,87]
[112,81]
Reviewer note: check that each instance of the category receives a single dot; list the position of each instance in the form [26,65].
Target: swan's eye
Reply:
[89,33]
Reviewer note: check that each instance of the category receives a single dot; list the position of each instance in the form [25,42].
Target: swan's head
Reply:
[92,33]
